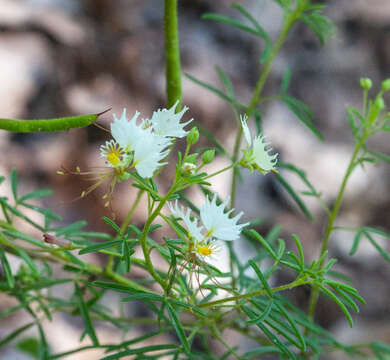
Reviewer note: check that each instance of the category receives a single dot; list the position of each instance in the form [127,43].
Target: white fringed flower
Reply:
[139,141]
[256,155]
[218,223]
[148,152]
[166,122]
[215,221]
[194,230]
[127,133]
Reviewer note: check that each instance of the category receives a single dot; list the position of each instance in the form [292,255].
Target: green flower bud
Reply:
[366,83]
[193,136]
[208,156]
[386,85]
[191,158]
[379,103]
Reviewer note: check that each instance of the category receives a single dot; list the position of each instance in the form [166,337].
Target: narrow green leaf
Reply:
[29,346]
[229,21]
[260,32]
[295,196]
[338,302]
[382,251]
[143,296]
[28,261]
[69,229]
[261,240]
[36,194]
[29,239]
[262,350]
[297,333]
[19,214]
[11,310]
[226,82]
[303,113]
[99,246]
[285,81]
[178,328]
[120,288]
[85,315]
[271,336]
[300,249]
[14,184]
[141,350]
[15,333]
[263,316]
[112,224]
[43,346]
[216,91]
[126,254]
[261,278]
[7,269]
[380,156]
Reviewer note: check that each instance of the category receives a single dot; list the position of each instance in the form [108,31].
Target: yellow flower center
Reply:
[204,250]
[113,153]
[113,157]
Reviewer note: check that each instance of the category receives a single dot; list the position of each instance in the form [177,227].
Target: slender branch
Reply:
[258,293]
[332,217]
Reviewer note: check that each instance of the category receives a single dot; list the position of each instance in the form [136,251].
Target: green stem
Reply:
[258,293]
[172,54]
[144,236]
[125,224]
[332,217]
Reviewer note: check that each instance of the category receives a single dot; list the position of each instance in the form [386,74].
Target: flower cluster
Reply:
[256,155]
[142,144]
[216,225]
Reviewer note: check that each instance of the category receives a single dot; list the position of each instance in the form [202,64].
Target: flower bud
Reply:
[379,103]
[193,136]
[208,156]
[386,85]
[366,83]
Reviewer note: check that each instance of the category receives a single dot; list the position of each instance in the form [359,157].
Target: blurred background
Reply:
[68,57]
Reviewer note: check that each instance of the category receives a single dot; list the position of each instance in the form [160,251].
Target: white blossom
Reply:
[256,155]
[215,221]
[127,133]
[148,152]
[166,122]
[194,230]
[218,222]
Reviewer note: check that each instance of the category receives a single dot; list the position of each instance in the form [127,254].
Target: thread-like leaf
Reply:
[7,269]
[178,328]
[295,196]
[85,315]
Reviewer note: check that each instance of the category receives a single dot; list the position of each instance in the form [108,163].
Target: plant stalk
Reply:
[172,54]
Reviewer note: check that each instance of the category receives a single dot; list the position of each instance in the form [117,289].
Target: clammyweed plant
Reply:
[190,301]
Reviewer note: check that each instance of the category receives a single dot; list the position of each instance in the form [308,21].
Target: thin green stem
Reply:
[144,236]
[172,54]
[125,224]
[332,217]
[258,293]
